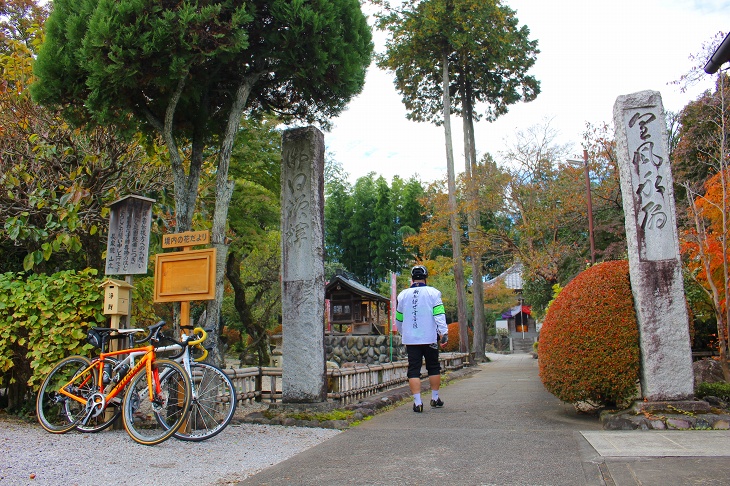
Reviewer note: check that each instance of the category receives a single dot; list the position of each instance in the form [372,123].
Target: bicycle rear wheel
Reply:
[213,404]
[56,412]
[150,422]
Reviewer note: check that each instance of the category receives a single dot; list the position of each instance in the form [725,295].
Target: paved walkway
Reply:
[500,427]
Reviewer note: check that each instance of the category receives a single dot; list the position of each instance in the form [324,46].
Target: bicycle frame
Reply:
[184,359]
[148,356]
[148,353]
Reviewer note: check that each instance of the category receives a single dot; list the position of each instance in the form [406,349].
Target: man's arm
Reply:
[399,311]
[439,316]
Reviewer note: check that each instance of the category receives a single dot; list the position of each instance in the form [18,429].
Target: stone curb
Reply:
[716,420]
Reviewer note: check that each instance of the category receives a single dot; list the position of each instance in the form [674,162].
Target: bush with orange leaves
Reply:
[589,342]
[453,345]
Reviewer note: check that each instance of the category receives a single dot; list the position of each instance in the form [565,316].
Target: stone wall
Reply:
[363,349]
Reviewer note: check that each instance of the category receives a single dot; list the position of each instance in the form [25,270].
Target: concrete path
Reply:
[501,427]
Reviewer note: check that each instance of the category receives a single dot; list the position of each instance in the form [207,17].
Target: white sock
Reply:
[417,399]
[434,394]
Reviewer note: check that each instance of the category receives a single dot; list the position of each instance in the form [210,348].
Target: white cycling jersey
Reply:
[420,314]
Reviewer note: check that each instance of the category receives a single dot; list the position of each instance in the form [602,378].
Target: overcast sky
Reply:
[591,52]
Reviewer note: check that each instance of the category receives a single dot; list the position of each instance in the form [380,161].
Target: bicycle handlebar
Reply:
[185,342]
[203,336]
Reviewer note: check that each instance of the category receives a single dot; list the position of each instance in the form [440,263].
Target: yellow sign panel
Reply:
[185,276]
[189,238]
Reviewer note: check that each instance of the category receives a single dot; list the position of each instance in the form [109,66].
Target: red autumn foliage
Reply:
[589,342]
[453,345]
[232,336]
[710,257]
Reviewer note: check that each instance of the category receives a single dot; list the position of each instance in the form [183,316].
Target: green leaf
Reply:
[28,262]
[47,251]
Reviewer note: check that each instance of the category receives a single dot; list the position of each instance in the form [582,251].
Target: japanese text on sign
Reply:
[129,235]
[650,173]
[189,238]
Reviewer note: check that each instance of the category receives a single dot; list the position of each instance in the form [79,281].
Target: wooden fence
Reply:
[344,385]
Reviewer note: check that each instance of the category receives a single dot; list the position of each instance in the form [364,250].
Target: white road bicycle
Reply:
[213,393]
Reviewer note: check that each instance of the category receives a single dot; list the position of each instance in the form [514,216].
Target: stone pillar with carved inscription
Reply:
[653,247]
[302,266]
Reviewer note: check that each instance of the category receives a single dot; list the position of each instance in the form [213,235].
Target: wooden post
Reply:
[185,275]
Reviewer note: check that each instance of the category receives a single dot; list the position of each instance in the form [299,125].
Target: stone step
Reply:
[522,346]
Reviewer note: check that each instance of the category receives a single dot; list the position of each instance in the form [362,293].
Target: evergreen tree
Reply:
[336,215]
[365,225]
[358,252]
[188,71]
[385,243]
[459,52]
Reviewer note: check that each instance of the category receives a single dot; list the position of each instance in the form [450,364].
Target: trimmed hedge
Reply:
[589,342]
[453,345]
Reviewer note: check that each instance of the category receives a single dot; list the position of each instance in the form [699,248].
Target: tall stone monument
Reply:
[653,244]
[302,266]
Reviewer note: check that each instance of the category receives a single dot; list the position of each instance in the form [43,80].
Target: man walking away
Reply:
[422,322]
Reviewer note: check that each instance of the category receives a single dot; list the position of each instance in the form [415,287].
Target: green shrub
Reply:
[490,348]
[43,318]
[589,345]
[720,390]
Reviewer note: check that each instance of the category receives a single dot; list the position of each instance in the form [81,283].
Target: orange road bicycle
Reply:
[213,400]
[80,393]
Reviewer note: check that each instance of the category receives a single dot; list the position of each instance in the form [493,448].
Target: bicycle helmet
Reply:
[419,272]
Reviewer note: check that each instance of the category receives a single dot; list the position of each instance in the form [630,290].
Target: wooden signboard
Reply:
[185,276]
[129,236]
[186,239]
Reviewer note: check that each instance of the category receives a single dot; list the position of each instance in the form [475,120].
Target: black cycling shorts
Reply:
[416,354]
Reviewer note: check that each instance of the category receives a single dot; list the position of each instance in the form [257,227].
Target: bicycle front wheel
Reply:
[56,412]
[213,404]
[151,421]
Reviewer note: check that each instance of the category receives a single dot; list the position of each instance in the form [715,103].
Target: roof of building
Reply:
[353,286]
[512,277]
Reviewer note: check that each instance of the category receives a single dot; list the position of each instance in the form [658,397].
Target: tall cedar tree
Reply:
[489,56]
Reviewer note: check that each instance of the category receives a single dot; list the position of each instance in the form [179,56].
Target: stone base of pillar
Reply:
[695,406]
[315,407]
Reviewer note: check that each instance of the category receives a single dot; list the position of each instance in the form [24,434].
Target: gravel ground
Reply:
[31,456]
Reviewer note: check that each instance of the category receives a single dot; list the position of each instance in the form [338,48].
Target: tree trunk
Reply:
[713,291]
[186,185]
[453,217]
[473,219]
[256,332]
[224,192]
[725,264]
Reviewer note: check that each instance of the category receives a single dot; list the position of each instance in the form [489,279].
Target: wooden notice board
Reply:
[187,239]
[185,276]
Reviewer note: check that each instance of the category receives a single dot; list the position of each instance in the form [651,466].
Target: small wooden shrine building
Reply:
[352,308]
[521,327]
